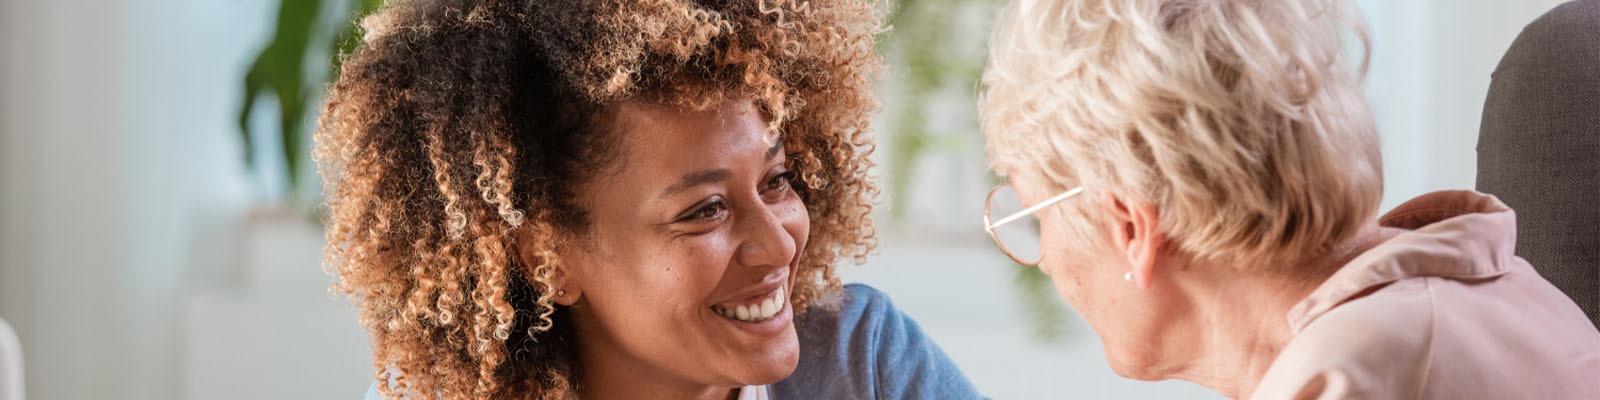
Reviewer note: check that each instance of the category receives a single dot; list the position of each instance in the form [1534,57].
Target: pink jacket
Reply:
[1455,315]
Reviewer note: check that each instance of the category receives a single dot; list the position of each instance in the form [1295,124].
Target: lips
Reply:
[758,309]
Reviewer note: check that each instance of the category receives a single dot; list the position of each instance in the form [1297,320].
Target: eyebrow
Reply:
[776,145]
[698,178]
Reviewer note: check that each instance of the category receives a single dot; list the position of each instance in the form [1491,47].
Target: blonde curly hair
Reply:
[459,131]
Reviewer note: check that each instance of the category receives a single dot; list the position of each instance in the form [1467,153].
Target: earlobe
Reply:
[563,286]
[566,283]
[559,281]
[566,297]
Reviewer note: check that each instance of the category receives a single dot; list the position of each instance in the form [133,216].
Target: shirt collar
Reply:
[754,392]
[1459,234]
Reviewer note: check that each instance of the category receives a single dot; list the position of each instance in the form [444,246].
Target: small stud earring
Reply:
[561,293]
[1128,276]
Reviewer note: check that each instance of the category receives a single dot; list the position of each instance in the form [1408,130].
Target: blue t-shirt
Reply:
[867,349]
[863,348]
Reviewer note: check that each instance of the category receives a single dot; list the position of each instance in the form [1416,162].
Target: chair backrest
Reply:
[1539,147]
[10,363]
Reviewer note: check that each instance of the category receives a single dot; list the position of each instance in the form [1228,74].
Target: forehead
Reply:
[657,145]
[646,131]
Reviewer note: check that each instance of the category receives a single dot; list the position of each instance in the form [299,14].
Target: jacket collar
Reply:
[1460,234]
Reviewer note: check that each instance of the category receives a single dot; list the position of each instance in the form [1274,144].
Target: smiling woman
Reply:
[689,253]
[615,199]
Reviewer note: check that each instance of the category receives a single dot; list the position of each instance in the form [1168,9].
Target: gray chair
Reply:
[1539,147]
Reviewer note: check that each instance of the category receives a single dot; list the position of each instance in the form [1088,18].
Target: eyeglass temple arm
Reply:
[1036,207]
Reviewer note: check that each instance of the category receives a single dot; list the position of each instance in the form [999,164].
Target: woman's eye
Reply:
[780,182]
[706,212]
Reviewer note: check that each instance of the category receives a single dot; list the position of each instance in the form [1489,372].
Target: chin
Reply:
[1133,366]
[772,373]
[778,363]
[1131,372]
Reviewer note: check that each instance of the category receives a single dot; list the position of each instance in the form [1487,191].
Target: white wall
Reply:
[65,264]
[1430,72]
[126,247]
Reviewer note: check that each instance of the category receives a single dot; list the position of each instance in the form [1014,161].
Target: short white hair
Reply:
[1238,119]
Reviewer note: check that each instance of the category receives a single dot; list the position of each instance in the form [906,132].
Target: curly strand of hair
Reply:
[495,314]
[490,259]
[345,240]
[438,155]
[544,273]
[694,30]
[754,76]
[446,252]
[492,152]
[784,14]
[426,287]
[494,177]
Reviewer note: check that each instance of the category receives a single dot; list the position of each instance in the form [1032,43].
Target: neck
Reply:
[1240,317]
[609,373]
[618,388]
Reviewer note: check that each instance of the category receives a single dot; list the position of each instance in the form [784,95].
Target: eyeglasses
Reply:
[1017,233]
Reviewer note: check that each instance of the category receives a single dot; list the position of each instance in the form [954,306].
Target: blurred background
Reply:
[158,237]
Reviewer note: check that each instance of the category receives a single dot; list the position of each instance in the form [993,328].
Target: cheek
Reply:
[1066,266]
[660,283]
[1052,244]
[1068,284]
[688,270]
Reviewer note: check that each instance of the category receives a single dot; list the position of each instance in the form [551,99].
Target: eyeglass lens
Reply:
[1019,238]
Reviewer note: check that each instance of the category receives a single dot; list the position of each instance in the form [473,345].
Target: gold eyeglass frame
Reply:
[990,226]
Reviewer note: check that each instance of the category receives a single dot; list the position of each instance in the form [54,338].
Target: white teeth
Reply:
[768,307]
[760,311]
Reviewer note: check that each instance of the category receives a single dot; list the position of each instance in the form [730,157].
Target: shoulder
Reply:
[846,317]
[858,304]
[856,344]
[1377,346]
[864,296]
[839,322]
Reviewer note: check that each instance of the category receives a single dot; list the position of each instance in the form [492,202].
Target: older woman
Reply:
[615,199]
[1205,176]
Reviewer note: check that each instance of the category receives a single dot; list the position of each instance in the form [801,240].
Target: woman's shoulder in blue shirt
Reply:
[859,346]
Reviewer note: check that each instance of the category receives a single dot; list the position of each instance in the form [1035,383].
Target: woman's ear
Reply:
[568,294]
[564,283]
[1137,235]
[567,281]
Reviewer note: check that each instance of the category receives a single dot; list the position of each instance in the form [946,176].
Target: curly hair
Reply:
[459,132]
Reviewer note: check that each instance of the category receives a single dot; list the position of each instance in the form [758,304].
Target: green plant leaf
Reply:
[279,71]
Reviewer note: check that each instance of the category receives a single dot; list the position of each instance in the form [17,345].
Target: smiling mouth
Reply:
[758,310]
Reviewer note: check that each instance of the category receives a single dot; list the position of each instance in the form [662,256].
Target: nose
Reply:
[765,240]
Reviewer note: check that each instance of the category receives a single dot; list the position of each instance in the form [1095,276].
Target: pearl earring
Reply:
[1128,276]
[561,293]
